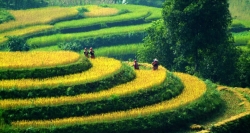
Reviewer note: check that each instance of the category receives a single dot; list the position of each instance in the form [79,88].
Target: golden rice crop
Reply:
[38,16]
[101,67]
[244,90]
[194,88]
[36,59]
[25,31]
[145,79]
[97,11]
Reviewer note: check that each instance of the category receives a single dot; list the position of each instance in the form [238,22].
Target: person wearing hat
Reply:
[155,64]
[86,53]
[136,65]
[92,53]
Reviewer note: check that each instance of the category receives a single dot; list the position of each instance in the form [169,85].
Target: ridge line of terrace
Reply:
[142,81]
[194,89]
[102,66]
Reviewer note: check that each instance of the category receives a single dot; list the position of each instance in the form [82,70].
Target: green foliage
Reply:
[240,125]
[5,16]
[49,48]
[123,52]
[155,3]
[22,4]
[242,38]
[192,32]
[16,43]
[247,96]
[123,11]
[74,46]
[104,5]
[188,41]
[81,10]
[110,40]
[243,69]
[156,45]
[240,25]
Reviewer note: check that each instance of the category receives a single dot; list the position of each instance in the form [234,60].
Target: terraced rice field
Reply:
[195,94]
[141,84]
[108,95]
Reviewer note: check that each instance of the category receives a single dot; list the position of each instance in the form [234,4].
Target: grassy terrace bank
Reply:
[70,84]
[136,118]
[55,39]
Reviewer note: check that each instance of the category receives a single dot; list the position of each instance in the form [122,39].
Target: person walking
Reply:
[136,65]
[155,64]
[92,53]
[86,52]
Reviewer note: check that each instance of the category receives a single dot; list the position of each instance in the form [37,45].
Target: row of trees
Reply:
[155,3]
[22,4]
[194,37]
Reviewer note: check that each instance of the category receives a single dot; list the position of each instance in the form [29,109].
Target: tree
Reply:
[5,16]
[244,71]
[156,45]
[199,41]
[203,43]
[16,43]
